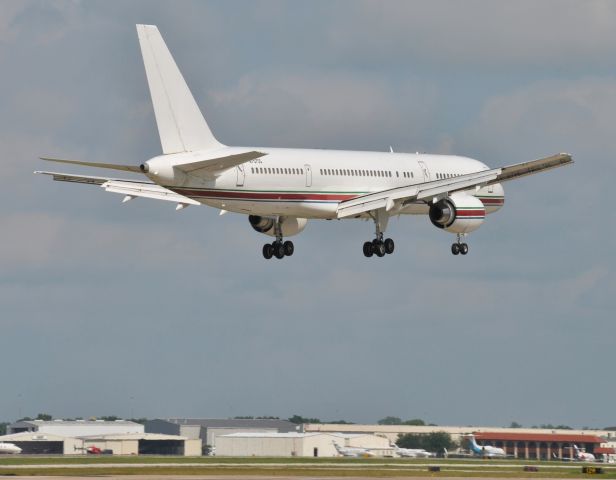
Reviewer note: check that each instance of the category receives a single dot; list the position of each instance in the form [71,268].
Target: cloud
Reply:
[333,108]
[488,35]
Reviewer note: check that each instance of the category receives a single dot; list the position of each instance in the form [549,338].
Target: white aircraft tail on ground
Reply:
[582,455]
[280,189]
[485,451]
[9,448]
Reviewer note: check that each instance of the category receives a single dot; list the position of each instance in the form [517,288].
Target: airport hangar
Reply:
[528,443]
[209,429]
[74,437]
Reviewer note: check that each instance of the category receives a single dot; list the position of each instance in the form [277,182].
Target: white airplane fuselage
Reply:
[310,183]
[9,448]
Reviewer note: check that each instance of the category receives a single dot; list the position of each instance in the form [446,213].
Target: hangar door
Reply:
[161,447]
[41,448]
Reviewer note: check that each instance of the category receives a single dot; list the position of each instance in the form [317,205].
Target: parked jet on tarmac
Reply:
[411,452]
[9,448]
[352,451]
[280,189]
[582,456]
[485,450]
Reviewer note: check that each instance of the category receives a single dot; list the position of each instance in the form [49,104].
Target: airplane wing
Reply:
[400,196]
[129,188]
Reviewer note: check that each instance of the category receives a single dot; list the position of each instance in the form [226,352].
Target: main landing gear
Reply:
[458,247]
[278,248]
[378,246]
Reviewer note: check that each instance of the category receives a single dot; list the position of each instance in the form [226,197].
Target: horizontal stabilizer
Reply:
[112,166]
[215,166]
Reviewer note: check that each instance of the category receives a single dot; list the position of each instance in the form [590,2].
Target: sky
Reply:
[138,310]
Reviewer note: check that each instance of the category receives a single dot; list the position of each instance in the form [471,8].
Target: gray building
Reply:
[207,429]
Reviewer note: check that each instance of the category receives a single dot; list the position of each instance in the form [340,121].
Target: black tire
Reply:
[455,248]
[380,249]
[389,246]
[368,250]
[268,251]
[289,248]
[278,250]
[463,248]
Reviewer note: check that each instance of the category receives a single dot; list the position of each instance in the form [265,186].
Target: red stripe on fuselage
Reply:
[263,195]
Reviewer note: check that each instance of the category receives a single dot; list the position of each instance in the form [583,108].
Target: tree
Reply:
[110,418]
[432,442]
[3,426]
[44,416]
[390,421]
[299,419]
[515,425]
[415,421]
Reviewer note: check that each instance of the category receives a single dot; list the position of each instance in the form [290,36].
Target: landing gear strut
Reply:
[378,246]
[278,248]
[459,247]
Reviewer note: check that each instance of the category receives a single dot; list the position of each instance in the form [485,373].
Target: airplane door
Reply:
[424,169]
[308,175]
[241,174]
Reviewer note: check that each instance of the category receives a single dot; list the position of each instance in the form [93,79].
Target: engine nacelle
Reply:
[289,225]
[459,213]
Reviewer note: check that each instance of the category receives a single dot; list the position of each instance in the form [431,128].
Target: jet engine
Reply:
[289,225]
[458,213]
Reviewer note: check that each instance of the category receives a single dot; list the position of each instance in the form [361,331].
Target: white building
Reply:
[75,428]
[293,444]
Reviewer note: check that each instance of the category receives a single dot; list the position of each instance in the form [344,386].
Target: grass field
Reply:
[322,467]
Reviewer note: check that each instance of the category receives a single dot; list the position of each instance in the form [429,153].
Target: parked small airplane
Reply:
[411,452]
[9,448]
[352,451]
[485,451]
[280,189]
[582,455]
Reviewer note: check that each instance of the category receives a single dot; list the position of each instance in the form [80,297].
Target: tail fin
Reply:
[181,125]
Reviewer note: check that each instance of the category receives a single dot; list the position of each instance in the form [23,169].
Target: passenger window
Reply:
[412,175]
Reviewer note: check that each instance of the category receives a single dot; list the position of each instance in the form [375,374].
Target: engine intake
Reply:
[289,226]
[261,224]
[458,213]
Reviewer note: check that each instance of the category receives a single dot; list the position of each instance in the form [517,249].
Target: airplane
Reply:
[485,451]
[352,451]
[411,452]
[582,455]
[9,448]
[280,189]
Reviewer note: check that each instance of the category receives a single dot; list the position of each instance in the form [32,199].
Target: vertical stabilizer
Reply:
[181,125]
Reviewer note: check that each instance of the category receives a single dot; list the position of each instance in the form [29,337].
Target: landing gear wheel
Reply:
[455,248]
[368,250]
[268,251]
[389,246]
[278,250]
[379,249]
[289,248]
[463,248]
